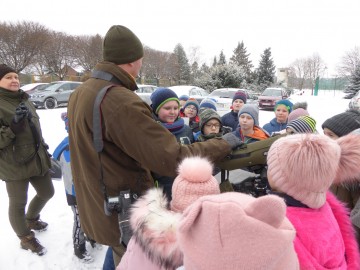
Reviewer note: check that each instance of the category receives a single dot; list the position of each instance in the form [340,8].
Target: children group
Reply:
[309,220]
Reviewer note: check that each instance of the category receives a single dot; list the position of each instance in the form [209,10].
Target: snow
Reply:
[58,240]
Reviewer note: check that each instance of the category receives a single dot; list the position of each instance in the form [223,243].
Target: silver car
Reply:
[56,94]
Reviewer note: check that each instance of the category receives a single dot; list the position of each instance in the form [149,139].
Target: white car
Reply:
[192,91]
[145,91]
[224,98]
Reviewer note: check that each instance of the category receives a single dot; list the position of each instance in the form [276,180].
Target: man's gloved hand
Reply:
[226,129]
[21,112]
[231,139]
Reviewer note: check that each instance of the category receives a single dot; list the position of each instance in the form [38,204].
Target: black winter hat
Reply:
[160,96]
[121,46]
[343,123]
[5,69]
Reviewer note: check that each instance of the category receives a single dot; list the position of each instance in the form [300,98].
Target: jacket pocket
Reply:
[23,153]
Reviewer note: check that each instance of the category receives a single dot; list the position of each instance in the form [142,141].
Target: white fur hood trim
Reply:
[154,227]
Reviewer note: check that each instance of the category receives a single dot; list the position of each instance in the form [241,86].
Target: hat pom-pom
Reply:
[195,169]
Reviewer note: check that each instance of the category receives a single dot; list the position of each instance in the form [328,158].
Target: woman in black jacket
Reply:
[23,159]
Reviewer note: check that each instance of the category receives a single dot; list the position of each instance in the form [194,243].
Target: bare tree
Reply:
[316,67]
[298,73]
[58,54]
[88,51]
[194,55]
[159,65]
[349,62]
[20,43]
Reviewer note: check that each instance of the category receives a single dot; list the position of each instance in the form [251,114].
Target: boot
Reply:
[81,252]
[36,224]
[29,242]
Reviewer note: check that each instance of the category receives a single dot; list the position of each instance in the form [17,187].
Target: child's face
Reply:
[190,111]
[246,122]
[237,104]
[211,127]
[281,113]
[169,112]
[330,134]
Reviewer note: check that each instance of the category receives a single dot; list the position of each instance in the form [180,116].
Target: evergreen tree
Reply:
[266,70]
[195,71]
[355,80]
[222,58]
[184,66]
[241,59]
[221,76]
[214,62]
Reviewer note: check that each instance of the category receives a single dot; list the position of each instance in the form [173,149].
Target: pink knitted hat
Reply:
[194,180]
[237,231]
[295,114]
[304,166]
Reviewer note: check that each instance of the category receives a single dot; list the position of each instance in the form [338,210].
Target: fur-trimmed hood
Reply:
[154,227]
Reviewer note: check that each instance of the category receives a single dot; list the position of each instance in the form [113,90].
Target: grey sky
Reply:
[293,29]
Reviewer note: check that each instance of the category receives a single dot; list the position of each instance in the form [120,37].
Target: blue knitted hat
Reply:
[208,103]
[252,110]
[184,97]
[160,96]
[287,103]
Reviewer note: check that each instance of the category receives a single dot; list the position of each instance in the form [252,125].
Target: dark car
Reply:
[270,96]
[54,95]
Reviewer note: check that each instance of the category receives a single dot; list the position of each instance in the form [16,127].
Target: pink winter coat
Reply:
[325,238]
[154,245]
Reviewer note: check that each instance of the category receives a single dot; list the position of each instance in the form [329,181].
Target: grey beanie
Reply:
[121,46]
[251,110]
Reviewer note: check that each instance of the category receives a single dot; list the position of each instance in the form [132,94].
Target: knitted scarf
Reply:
[176,127]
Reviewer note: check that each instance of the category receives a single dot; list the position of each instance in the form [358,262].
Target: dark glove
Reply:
[21,112]
[231,139]
[226,129]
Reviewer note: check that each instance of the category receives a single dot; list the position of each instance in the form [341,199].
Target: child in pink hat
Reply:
[154,244]
[236,231]
[301,168]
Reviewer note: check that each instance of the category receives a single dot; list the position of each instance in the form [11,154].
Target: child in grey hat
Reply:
[249,130]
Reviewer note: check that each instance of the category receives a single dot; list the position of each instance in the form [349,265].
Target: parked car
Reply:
[32,87]
[192,91]
[54,95]
[145,92]
[270,96]
[224,96]
[355,101]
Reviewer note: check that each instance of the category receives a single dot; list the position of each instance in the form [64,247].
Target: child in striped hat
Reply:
[303,124]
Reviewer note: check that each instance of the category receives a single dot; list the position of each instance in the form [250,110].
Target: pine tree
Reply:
[184,66]
[266,69]
[241,59]
[214,62]
[355,80]
[222,58]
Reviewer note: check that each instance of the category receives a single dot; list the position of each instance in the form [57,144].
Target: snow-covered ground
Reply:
[57,239]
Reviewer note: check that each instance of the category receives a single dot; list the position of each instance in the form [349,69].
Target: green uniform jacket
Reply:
[134,145]
[14,149]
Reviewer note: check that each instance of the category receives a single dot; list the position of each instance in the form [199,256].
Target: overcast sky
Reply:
[292,28]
